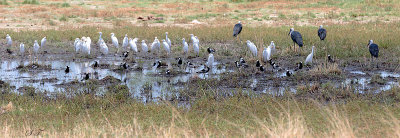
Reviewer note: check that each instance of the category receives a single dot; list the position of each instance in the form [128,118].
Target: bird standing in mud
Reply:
[115,41]
[22,49]
[43,42]
[132,44]
[125,42]
[67,70]
[185,46]
[145,49]
[310,57]
[9,42]
[166,47]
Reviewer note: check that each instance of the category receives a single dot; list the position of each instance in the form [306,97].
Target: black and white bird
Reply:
[258,64]
[288,73]
[210,50]
[180,62]
[168,72]
[296,37]
[321,33]
[86,77]
[204,70]
[125,54]
[96,64]
[262,68]
[373,49]
[124,65]
[299,66]
[237,29]
[67,70]
[330,59]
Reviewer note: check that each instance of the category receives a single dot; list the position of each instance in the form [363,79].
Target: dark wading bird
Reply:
[296,37]
[258,64]
[373,49]
[67,70]
[321,33]
[86,77]
[237,29]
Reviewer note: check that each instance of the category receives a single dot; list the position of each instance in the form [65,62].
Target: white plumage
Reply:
[166,46]
[185,46]
[85,45]
[100,39]
[192,38]
[155,46]
[273,49]
[43,42]
[310,57]
[77,44]
[210,60]
[167,39]
[267,54]
[115,41]
[252,47]
[145,49]
[132,44]
[9,40]
[36,47]
[103,47]
[196,49]
[125,41]
[22,48]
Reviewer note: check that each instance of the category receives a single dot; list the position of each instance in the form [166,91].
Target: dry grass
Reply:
[286,124]
[326,69]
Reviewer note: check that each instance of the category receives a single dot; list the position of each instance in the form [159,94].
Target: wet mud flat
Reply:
[46,72]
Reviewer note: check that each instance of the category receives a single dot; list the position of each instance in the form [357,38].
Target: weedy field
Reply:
[352,96]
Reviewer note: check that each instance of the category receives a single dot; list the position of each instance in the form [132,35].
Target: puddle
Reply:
[385,74]
[358,72]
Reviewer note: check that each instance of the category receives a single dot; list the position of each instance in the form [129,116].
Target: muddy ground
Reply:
[47,73]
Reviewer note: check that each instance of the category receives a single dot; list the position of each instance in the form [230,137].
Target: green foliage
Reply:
[65,4]
[30,2]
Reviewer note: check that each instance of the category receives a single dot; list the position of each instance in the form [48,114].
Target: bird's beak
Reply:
[288,33]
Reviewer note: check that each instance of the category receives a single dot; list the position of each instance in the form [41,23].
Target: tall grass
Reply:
[343,41]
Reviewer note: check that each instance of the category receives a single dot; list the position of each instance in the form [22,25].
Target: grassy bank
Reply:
[343,41]
[313,111]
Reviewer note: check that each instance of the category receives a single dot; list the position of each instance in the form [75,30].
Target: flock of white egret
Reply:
[83,45]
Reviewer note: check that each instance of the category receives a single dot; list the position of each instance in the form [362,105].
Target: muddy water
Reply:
[147,83]
[152,84]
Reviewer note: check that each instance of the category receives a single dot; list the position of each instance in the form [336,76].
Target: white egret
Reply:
[85,45]
[145,49]
[167,39]
[192,38]
[103,47]
[36,48]
[43,42]
[273,48]
[309,57]
[22,49]
[196,49]
[9,40]
[166,46]
[210,60]
[267,54]
[77,44]
[132,44]
[252,48]
[115,41]
[155,46]
[125,42]
[100,39]
[185,46]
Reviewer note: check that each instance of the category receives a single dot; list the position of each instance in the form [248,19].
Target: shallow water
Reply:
[153,84]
